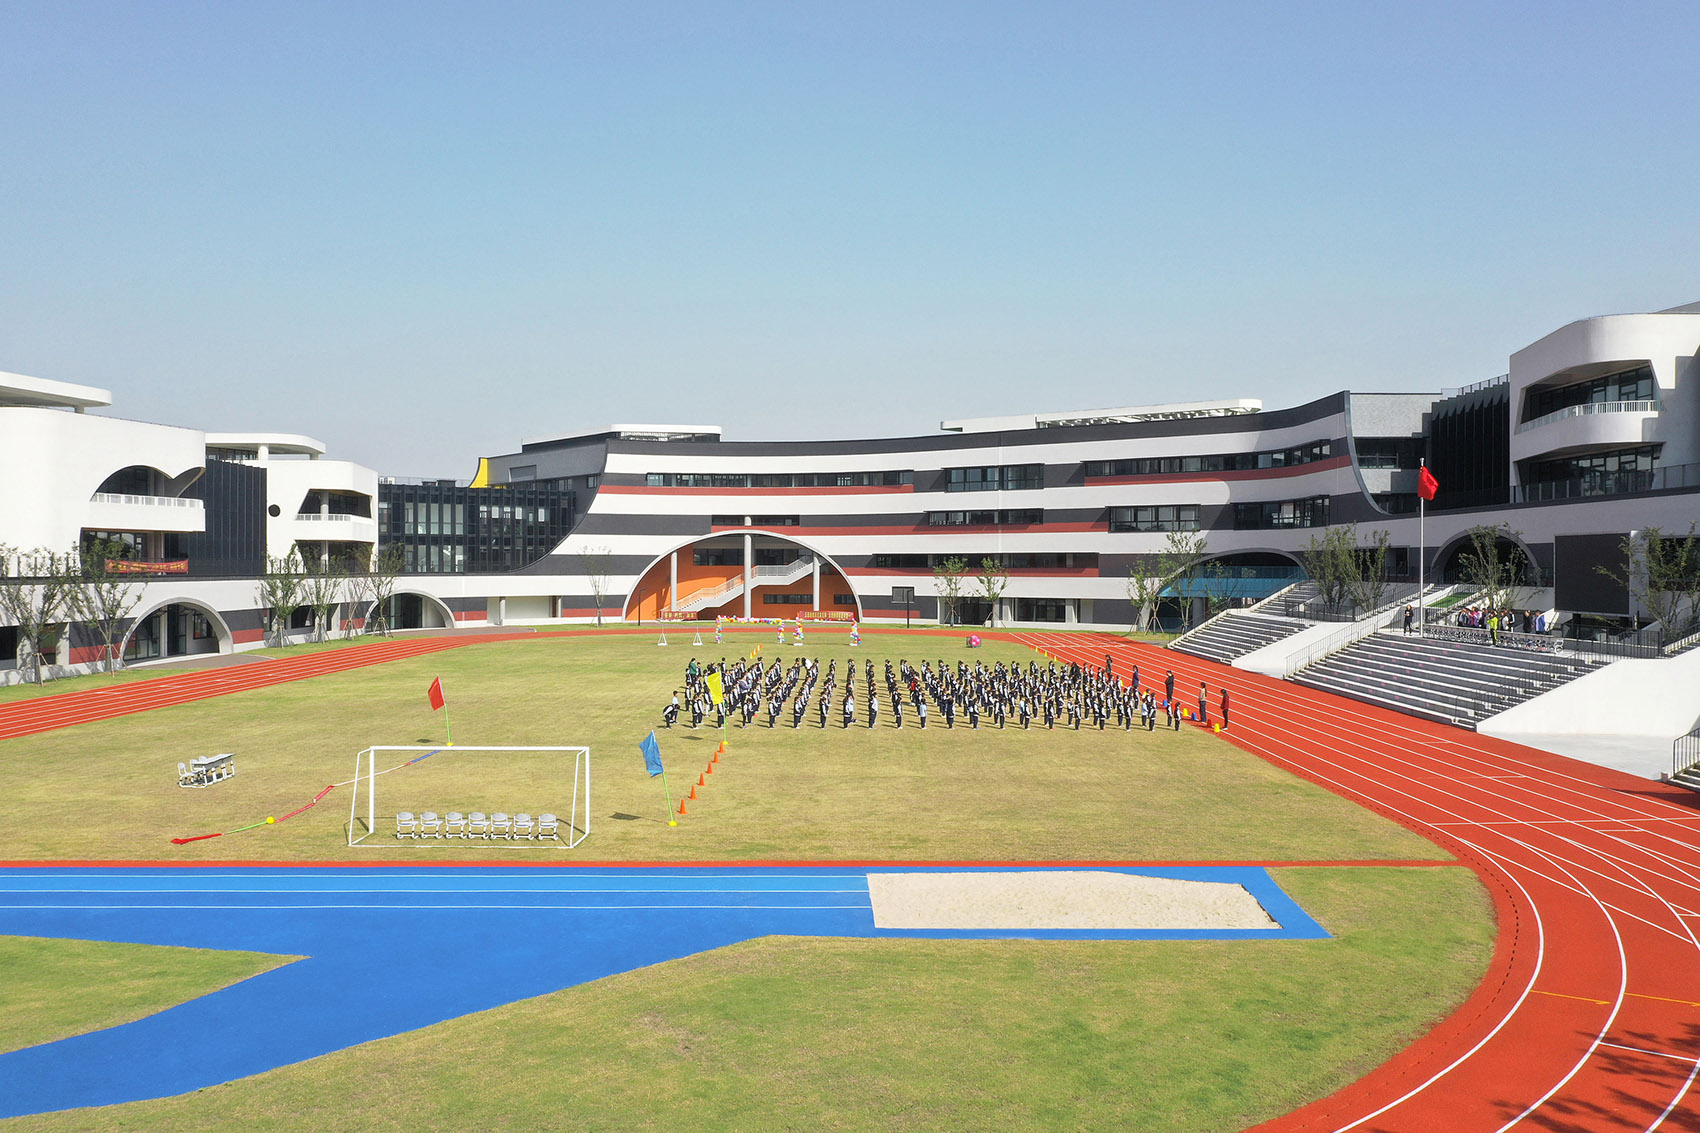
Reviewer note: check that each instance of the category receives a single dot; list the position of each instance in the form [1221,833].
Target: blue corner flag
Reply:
[651,755]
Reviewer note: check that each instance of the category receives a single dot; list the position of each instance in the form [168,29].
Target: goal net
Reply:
[440,796]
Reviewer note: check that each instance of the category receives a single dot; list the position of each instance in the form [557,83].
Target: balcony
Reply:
[1645,408]
[113,511]
[1671,478]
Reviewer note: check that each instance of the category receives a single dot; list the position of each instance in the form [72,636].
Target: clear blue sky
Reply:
[421,231]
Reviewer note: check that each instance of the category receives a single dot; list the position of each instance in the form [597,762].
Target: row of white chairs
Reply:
[476,825]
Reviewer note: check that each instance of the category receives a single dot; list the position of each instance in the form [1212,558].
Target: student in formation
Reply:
[921,711]
[896,711]
[873,705]
[849,708]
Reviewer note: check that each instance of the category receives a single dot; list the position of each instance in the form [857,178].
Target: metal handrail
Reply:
[147,501]
[1588,409]
[1685,752]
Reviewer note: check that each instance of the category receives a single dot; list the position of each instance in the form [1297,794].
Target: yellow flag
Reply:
[714,691]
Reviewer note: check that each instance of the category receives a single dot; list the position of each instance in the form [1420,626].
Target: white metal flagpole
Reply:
[1422,550]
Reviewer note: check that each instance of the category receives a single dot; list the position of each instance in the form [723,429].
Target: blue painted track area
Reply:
[389,950]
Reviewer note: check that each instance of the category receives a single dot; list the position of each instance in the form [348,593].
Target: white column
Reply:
[673,581]
[817,582]
[325,526]
[749,553]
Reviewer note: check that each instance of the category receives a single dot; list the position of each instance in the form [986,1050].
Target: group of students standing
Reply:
[1068,695]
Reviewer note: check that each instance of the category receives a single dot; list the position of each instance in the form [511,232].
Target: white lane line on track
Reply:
[1654,1053]
[1581,888]
[1379,763]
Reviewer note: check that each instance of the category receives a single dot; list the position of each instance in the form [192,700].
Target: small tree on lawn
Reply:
[280,595]
[993,580]
[1368,583]
[1183,556]
[101,597]
[375,586]
[1145,580]
[596,570]
[948,577]
[1496,567]
[34,589]
[322,590]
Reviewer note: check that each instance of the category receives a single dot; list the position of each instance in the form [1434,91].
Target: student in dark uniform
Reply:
[1169,685]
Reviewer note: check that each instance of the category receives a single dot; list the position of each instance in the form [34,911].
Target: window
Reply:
[1389,452]
[843,599]
[520,473]
[1168,517]
[1005,477]
[1215,462]
[1041,609]
[778,520]
[1603,473]
[726,520]
[884,479]
[1630,385]
[988,518]
[1399,503]
[788,599]
[1309,512]
[902,562]
[718,556]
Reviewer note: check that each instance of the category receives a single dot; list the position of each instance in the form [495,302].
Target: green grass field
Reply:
[782,1032]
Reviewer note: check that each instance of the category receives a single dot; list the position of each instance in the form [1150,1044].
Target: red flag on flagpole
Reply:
[435,694]
[1427,485]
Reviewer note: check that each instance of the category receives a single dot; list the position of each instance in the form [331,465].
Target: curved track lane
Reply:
[1589,1018]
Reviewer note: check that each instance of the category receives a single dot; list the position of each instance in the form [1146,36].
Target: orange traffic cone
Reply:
[700,783]
[681,806]
[693,793]
[710,769]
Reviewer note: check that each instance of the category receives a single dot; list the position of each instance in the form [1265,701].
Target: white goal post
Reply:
[572,827]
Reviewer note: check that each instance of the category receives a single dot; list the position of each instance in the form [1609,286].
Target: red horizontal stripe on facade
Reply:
[1247,474]
[1015,572]
[853,490]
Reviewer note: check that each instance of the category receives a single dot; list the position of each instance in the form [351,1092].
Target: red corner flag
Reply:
[1427,485]
[435,693]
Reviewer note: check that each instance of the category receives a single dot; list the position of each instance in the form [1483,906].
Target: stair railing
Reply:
[1685,752]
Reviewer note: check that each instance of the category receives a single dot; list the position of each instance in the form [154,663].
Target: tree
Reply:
[993,580]
[1145,581]
[322,590]
[1662,575]
[375,586]
[948,576]
[34,586]
[596,569]
[101,597]
[1368,584]
[1183,557]
[280,595]
[1331,561]
[1497,567]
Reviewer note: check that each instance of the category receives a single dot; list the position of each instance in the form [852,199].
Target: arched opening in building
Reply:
[176,629]
[412,610]
[705,579]
[1459,560]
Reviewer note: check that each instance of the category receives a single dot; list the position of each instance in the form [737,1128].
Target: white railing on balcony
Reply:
[712,596]
[1589,410]
[787,572]
[335,517]
[146,501]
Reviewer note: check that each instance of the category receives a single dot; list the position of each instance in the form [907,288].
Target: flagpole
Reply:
[668,791]
[1422,549]
[447,729]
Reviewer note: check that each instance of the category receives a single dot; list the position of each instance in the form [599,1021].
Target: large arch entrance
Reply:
[176,629]
[705,577]
[411,609]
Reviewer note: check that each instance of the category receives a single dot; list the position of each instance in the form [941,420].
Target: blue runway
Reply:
[391,950]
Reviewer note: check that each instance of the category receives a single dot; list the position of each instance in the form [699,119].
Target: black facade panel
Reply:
[1470,449]
[1578,585]
[234,543]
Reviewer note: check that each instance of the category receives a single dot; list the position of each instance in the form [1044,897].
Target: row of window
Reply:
[889,478]
[1630,385]
[755,520]
[1003,516]
[1389,452]
[734,556]
[1053,561]
[994,478]
[1309,512]
[1178,517]
[1595,465]
[1214,462]
[805,599]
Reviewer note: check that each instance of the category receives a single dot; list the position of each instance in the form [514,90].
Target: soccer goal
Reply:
[440,796]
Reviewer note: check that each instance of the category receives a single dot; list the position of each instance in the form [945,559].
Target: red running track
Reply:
[1589,1018]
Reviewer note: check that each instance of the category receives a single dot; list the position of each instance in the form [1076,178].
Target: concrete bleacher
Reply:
[1450,681]
[1235,634]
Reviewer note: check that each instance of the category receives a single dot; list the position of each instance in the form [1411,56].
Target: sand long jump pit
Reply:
[1061,899]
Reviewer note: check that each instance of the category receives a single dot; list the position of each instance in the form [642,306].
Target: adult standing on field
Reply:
[1409,614]
[1203,703]
[1224,709]
[1169,685]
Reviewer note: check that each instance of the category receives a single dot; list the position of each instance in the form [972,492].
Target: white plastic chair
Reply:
[430,826]
[501,826]
[524,827]
[548,826]
[454,825]
[477,826]
[185,777]
[406,826]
